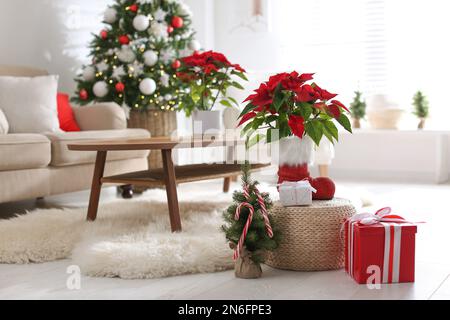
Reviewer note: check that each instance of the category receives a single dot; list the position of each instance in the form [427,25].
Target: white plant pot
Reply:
[295,151]
[206,122]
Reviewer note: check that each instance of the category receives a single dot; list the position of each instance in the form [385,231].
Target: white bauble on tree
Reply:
[147,86]
[100,89]
[150,58]
[141,22]
[194,45]
[110,15]
[89,73]
[184,10]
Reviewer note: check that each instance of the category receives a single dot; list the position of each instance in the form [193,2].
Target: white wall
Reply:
[49,34]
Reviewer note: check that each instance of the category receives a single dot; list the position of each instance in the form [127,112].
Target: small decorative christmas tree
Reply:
[135,57]
[421,106]
[358,109]
[249,228]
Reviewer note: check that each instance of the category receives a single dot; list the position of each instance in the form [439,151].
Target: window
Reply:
[393,47]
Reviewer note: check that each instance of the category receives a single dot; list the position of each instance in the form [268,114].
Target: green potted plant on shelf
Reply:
[358,109]
[421,108]
[208,75]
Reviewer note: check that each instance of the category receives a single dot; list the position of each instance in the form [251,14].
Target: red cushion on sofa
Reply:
[66,117]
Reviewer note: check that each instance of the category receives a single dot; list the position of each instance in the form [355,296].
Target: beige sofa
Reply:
[38,165]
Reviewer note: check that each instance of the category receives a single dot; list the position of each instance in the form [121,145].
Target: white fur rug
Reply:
[129,239]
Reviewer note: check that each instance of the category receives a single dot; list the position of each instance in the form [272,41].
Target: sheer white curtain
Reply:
[394,47]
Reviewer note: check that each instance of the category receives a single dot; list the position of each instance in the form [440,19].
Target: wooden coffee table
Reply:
[168,176]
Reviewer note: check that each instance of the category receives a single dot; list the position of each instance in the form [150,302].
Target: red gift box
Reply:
[381,242]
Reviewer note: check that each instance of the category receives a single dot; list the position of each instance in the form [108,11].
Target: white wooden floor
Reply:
[416,202]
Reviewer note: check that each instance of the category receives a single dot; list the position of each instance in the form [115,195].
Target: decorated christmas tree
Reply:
[135,57]
[420,103]
[358,109]
[249,228]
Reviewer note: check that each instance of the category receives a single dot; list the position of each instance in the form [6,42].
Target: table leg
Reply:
[226,184]
[171,190]
[96,185]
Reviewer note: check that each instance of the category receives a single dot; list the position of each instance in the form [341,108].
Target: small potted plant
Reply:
[249,227]
[209,75]
[421,106]
[301,113]
[358,109]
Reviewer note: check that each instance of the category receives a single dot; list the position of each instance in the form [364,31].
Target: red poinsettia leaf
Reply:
[323,94]
[306,76]
[319,105]
[306,93]
[250,97]
[334,110]
[340,104]
[238,67]
[297,125]
[247,117]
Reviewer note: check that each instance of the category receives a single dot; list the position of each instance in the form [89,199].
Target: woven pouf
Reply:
[310,235]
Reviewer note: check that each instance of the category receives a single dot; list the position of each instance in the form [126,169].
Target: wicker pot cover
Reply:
[159,123]
[310,239]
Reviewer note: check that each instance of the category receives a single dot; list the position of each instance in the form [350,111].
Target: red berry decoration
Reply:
[104,34]
[120,87]
[169,29]
[83,94]
[176,64]
[134,7]
[177,22]
[124,39]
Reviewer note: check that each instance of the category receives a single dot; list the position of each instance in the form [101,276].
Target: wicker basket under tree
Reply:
[159,123]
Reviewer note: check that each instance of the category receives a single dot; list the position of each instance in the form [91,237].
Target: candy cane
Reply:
[238,249]
[264,213]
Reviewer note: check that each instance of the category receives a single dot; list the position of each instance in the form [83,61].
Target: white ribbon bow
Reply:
[379,216]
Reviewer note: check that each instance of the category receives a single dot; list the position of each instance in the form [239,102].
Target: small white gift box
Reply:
[298,193]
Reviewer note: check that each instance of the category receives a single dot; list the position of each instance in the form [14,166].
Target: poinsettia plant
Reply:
[209,75]
[289,103]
